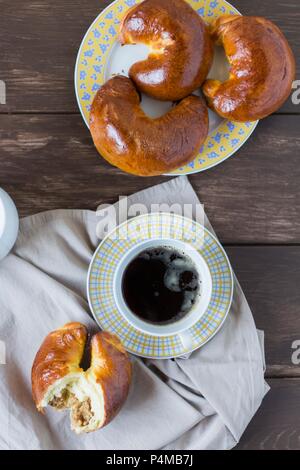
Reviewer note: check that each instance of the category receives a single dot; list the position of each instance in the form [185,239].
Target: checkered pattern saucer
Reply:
[113,248]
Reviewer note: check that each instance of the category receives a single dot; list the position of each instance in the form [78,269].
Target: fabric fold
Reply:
[203,402]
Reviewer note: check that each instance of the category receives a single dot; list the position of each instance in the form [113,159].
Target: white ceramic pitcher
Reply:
[9,224]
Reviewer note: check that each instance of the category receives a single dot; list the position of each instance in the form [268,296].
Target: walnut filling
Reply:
[81,410]
[62,401]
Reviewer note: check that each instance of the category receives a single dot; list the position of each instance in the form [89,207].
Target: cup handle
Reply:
[187,340]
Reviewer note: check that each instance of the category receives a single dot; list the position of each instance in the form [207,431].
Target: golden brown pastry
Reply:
[94,396]
[181,50]
[127,138]
[262,68]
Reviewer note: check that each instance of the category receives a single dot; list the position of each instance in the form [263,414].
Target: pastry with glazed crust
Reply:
[132,141]
[262,68]
[181,51]
[94,396]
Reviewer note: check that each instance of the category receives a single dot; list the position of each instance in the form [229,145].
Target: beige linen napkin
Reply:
[204,402]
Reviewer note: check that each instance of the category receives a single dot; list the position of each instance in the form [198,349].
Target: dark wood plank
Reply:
[49,162]
[40,39]
[270,278]
[276,425]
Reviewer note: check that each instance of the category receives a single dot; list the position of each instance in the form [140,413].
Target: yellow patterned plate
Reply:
[100,56]
[111,252]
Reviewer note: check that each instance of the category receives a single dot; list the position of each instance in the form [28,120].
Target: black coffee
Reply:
[161,285]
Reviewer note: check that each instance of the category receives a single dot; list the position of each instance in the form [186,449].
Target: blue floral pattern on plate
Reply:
[93,57]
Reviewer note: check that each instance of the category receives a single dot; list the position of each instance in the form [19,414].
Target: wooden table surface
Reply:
[47,161]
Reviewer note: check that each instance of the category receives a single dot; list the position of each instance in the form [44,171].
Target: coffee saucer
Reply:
[109,256]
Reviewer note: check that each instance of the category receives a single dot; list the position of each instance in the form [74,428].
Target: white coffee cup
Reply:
[9,224]
[181,326]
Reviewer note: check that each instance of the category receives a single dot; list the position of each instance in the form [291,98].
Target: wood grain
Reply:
[40,39]
[276,425]
[49,162]
[270,279]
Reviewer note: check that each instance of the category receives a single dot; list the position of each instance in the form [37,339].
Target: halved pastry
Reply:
[94,396]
